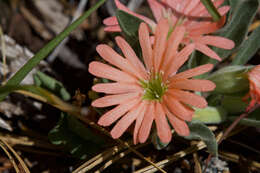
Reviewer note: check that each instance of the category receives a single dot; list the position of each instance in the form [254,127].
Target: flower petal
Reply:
[110,21]
[173,45]
[178,109]
[193,84]
[216,41]
[162,126]
[188,98]
[205,27]
[207,51]
[127,120]
[111,100]
[146,125]
[114,114]
[157,9]
[138,123]
[117,88]
[145,43]
[108,54]
[193,72]
[131,56]
[124,8]
[179,125]
[160,42]
[105,71]
[190,6]
[179,60]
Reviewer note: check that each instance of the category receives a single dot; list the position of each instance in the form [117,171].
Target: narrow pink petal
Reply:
[146,45]
[179,60]
[173,45]
[147,122]
[162,126]
[114,28]
[131,56]
[207,51]
[124,8]
[205,27]
[117,88]
[193,72]
[192,4]
[174,4]
[223,10]
[126,121]
[179,125]
[178,109]
[193,85]
[108,54]
[200,9]
[138,122]
[110,21]
[217,3]
[188,98]
[112,100]
[160,42]
[157,9]
[114,114]
[105,71]
[217,41]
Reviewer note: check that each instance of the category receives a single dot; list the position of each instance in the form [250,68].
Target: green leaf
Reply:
[233,104]
[230,79]
[248,48]
[42,95]
[210,115]
[75,137]
[40,55]
[129,25]
[51,84]
[30,88]
[199,131]
[236,29]
[211,9]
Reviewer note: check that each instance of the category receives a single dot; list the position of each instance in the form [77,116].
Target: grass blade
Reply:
[40,55]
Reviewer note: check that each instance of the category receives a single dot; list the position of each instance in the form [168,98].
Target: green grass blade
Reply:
[40,55]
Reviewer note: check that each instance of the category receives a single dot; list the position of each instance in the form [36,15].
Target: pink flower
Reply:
[254,84]
[152,91]
[189,13]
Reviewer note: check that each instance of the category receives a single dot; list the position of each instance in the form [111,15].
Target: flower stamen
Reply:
[155,88]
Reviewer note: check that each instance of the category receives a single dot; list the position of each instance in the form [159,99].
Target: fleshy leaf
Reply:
[51,84]
[210,115]
[248,48]
[231,79]
[75,137]
[199,131]
[233,104]
[129,24]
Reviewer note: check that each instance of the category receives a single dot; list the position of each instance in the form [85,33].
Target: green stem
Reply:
[211,9]
[40,55]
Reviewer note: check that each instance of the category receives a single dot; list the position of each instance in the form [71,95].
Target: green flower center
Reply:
[154,89]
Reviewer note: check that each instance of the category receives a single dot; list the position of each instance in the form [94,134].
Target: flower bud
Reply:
[231,79]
